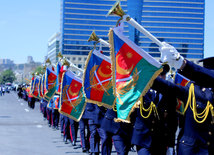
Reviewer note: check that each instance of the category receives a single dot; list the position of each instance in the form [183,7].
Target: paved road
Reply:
[24,132]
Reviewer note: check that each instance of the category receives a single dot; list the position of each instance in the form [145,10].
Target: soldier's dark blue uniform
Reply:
[153,135]
[55,116]
[83,123]
[73,131]
[95,116]
[44,103]
[62,124]
[49,115]
[84,135]
[66,128]
[195,138]
[119,132]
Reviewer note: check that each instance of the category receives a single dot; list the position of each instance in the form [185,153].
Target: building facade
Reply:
[177,22]
[6,62]
[53,48]
[180,23]
[78,19]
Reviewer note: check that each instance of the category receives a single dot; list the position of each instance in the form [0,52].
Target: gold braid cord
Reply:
[191,102]
[149,109]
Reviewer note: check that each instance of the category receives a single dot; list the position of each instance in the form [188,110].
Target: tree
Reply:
[7,76]
[39,70]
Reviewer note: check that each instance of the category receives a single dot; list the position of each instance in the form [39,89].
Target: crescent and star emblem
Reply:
[71,92]
[51,78]
[103,74]
[121,70]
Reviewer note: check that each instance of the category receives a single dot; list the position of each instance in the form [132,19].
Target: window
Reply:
[79,65]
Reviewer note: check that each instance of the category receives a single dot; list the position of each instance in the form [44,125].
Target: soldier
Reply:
[66,128]
[120,132]
[95,115]
[44,103]
[0,90]
[19,89]
[49,114]
[73,131]
[154,130]
[62,124]
[84,137]
[196,136]
[55,116]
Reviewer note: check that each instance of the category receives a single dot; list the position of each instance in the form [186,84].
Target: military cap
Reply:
[208,62]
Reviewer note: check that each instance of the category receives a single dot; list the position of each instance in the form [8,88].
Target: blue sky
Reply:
[26,26]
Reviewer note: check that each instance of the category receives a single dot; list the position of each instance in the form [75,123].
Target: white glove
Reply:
[171,55]
[169,151]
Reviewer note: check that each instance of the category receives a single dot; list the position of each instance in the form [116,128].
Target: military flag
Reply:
[42,86]
[35,89]
[72,99]
[31,85]
[56,102]
[97,80]
[133,72]
[182,81]
[60,69]
[49,84]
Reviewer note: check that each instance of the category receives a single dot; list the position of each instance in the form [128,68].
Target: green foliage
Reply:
[7,76]
[39,70]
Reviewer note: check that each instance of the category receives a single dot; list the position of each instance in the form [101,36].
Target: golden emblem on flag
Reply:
[69,100]
[128,85]
[95,82]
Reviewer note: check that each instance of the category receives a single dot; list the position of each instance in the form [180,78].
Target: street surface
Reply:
[24,132]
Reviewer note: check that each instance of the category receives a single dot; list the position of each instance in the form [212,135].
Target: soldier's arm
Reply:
[172,90]
[202,76]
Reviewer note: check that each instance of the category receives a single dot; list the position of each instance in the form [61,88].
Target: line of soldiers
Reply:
[153,132]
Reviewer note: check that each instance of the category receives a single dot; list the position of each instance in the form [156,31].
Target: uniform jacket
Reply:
[194,135]
[94,113]
[156,129]
[116,128]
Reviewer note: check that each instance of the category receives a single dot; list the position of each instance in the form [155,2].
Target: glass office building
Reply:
[78,19]
[178,22]
[53,48]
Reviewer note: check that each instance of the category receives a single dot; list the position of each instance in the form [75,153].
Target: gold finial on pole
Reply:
[93,37]
[44,67]
[116,10]
[59,55]
[65,63]
[48,61]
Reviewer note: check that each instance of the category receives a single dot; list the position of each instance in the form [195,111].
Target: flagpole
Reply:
[74,66]
[69,64]
[105,43]
[94,37]
[140,28]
